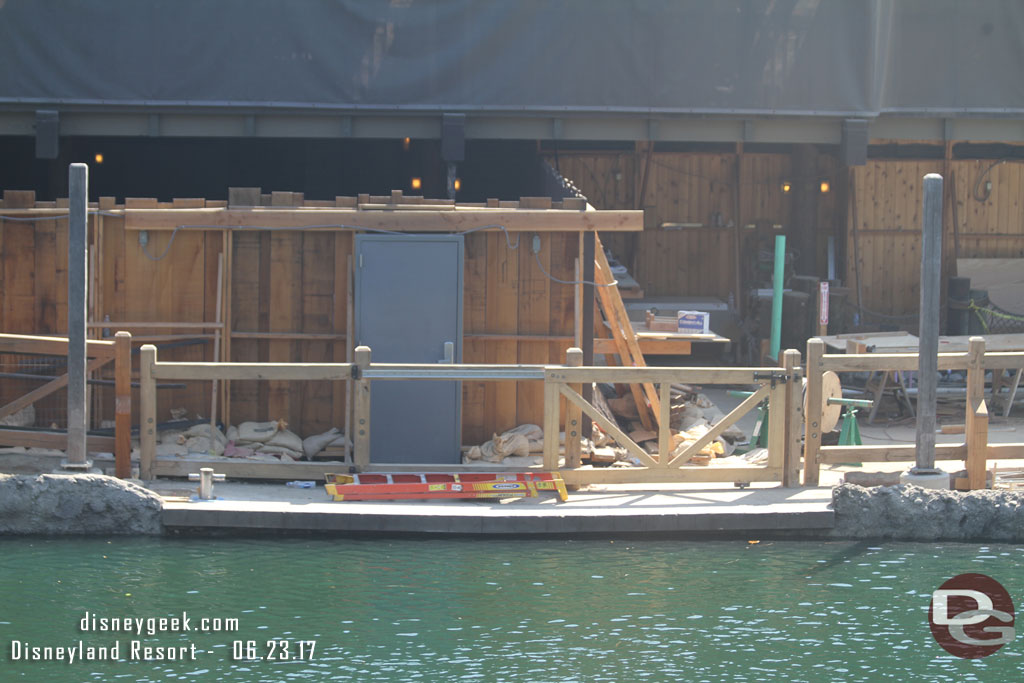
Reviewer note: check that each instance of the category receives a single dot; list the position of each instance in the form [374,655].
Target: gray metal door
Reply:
[409,310]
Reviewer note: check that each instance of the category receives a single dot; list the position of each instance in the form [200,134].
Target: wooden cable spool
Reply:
[830,389]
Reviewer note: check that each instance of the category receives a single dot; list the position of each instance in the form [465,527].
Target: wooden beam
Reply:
[573,415]
[813,411]
[53,346]
[123,405]
[454,220]
[791,454]
[30,438]
[977,448]
[361,412]
[249,371]
[684,375]
[904,453]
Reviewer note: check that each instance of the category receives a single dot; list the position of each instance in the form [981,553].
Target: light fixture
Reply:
[98,158]
[824,185]
[786,186]
[458,184]
[405,144]
[416,183]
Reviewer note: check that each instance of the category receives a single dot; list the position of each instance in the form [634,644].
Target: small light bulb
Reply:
[98,158]
[786,186]
[405,144]
[825,187]
[416,183]
[458,184]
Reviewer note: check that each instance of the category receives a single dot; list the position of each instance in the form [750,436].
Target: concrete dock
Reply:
[605,510]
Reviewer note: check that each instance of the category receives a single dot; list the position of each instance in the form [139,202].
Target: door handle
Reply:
[449,353]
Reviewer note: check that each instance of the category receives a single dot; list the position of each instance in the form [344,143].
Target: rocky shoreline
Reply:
[910,513]
[77,505]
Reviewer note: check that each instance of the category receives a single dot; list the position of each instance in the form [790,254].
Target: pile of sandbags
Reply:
[520,441]
[266,441]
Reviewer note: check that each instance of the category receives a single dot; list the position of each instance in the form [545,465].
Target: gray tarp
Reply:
[856,57]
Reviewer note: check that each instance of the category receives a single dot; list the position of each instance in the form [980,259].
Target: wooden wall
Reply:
[696,206]
[886,209]
[287,301]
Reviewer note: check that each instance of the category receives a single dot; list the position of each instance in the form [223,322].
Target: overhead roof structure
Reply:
[755,70]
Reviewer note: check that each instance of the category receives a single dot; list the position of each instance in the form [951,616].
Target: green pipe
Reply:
[855,402]
[780,270]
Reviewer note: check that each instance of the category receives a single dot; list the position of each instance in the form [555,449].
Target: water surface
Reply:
[494,610]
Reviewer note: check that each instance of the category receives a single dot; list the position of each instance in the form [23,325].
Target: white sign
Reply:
[823,304]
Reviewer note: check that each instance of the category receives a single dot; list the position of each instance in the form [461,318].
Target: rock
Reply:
[913,513]
[81,504]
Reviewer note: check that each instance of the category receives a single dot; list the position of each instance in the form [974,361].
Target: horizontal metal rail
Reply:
[393,371]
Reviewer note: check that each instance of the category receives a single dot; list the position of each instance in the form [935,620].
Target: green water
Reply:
[489,610]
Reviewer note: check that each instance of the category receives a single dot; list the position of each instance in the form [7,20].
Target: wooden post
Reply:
[551,405]
[928,326]
[791,457]
[777,427]
[361,411]
[78,183]
[975,401]
[216,339]
[813,414]
[977,448]
[664,418]
[123,405]
[573,414]
[147,412]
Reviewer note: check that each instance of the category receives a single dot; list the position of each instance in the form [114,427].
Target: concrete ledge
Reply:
[598,515]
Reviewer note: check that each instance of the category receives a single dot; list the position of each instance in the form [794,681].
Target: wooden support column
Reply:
[573,414]
[976,410]
[664,418]
[122,405]
[777,427]
[147,412]
[977,448]
[361,411]
[813,414]
[791,457]
[552,397]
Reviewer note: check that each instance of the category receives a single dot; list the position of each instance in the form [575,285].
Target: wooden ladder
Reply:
[614,312]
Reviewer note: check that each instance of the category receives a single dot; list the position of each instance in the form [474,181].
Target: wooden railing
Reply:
[779,385]
[975,450]
[101,352]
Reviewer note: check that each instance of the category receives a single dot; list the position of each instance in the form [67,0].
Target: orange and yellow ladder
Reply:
[397,486]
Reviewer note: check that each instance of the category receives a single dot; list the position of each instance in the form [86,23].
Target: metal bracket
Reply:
[773,377]
[355,371]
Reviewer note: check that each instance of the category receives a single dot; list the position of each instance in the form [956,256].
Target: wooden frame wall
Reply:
[285,292]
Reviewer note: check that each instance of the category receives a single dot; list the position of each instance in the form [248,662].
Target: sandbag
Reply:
[207,430]
[312,445]
[256,432]
[287,439]
[268,449]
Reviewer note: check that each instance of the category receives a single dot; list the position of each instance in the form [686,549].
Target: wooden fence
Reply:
[101,352]
[779,385]
[975,450]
